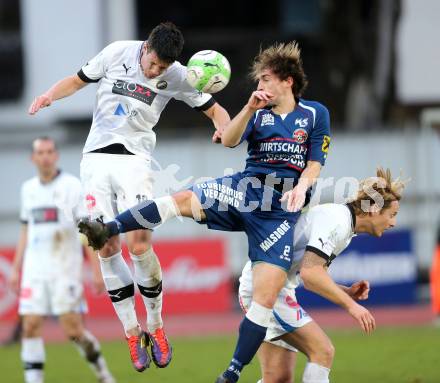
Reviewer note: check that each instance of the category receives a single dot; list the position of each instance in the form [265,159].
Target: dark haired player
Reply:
[136,80]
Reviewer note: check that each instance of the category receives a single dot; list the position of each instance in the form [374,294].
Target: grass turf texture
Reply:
[404,355]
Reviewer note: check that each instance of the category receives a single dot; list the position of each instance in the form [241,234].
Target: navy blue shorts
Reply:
[241,203]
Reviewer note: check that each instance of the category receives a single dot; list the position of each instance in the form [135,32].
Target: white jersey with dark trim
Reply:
[53,247]
[325,229]
[128,105]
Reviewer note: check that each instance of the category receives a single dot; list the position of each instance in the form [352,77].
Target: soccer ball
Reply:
[208,71]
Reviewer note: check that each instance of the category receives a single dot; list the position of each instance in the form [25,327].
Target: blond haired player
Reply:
[320,235]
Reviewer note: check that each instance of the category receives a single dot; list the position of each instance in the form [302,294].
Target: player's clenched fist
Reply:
[40,102]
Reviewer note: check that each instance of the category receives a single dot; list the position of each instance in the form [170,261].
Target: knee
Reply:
[139,243]
[324,355]
[31,327]
[111,247]
[73,330]
[266,298]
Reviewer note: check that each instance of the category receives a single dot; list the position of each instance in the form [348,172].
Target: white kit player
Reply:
[135,82]
[50,256]
[320,235]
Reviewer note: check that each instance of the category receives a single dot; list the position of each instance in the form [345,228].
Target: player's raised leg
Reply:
[146,215]
[87,345]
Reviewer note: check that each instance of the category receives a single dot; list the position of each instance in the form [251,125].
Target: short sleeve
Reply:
[192,97]
[324,232]
[96,68]
[320,137]
[24,212]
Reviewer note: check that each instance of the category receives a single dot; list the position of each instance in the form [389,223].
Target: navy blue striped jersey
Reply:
[282,144]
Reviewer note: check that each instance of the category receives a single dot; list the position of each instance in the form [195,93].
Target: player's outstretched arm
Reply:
[234,130]
[316,279]
[60,89]
[220,118]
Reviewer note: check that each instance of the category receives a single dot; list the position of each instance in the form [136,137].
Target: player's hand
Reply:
[359,290]
[217,137]
[363,317]
[259,99]
[42,101]
[98,283]
[295,199]
[14,281]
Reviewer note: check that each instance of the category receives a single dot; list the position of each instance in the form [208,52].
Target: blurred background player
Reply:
[320,235]
[50,257]
[288,140]
[136,80]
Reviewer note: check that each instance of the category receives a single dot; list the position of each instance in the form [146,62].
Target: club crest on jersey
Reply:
[162,84]
[267,119]
[302,122]
[300,135]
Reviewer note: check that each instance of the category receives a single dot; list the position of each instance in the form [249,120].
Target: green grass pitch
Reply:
[390,355]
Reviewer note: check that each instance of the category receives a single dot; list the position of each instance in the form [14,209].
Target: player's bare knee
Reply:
[139,242]
[323,354]
[31,327]
[265,298]
[112,246]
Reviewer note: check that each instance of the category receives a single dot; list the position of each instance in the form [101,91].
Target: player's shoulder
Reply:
[334,216]
[329,210]
[315,107]
[176,72]
[69,178]
[30,183]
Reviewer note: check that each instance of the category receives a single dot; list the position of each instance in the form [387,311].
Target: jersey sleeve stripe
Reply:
[318,252]
[313,110]
[206,105]
[83,77]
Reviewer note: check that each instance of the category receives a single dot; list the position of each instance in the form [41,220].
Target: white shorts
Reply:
[113,183]
[51,297]
[287,316]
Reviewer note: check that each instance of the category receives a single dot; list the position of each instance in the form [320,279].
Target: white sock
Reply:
[148,276]
[33,357]
[314,373]
[120,287]
[88,346]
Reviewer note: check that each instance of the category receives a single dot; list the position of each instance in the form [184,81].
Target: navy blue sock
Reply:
[250,337]
[142,216]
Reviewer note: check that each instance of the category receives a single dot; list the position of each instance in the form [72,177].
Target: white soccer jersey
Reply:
[128,105]
[324,229]
[53,248]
